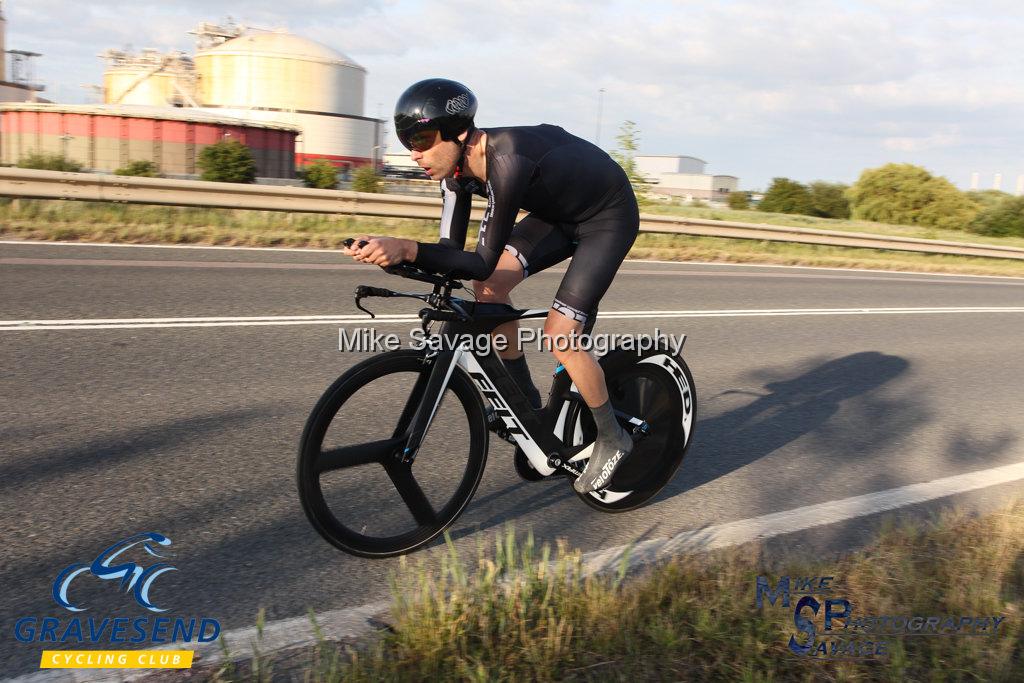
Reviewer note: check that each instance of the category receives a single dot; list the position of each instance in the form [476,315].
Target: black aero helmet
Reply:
[434,104]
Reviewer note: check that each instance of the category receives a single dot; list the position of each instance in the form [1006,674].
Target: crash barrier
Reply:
[29,183]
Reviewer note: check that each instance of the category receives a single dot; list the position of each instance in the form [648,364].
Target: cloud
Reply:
[803,89]
[922,143]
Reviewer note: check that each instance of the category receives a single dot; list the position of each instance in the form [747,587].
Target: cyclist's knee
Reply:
[562,335]
[492,292]
[502,281]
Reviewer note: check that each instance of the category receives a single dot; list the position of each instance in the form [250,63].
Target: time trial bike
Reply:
[394,450]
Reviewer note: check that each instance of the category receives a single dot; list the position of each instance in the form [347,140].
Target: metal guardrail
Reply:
[20,182]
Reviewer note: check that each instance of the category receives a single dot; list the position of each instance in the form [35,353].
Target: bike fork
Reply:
[444,364]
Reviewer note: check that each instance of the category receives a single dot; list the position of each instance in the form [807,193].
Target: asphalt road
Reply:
[192,431]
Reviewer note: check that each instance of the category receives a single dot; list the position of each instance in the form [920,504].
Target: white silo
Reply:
[278,76]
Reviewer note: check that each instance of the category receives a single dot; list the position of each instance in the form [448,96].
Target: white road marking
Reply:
[803,518]
[259,321]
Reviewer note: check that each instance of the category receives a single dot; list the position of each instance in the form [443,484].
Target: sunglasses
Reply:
[423,140]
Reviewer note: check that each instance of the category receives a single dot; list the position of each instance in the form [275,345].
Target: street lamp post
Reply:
[600,101]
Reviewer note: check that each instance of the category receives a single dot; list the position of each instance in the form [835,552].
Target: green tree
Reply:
[365,179]
[320,174]
[828,200]
[786,196]
[143,168]
[227,161]
[738,201]
[1004,219]
[905,194]
[987,198]
[49,162]
[629,142]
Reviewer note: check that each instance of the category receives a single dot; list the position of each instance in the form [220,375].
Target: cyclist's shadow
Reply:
[791,409]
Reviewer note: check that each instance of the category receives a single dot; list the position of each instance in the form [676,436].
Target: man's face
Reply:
[435,156]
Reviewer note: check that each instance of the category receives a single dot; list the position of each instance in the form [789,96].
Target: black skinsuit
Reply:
[580,204]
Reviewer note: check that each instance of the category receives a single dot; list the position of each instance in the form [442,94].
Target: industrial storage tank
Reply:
[107,137]
[149,78]
[278,76]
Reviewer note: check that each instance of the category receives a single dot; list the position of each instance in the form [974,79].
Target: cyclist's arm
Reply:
[458,202]
[509,176]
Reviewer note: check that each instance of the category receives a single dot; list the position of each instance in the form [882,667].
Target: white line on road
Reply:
[258,321]
[356,622]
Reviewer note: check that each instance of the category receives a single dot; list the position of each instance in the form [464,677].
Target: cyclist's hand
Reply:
[384,251]
[353,251]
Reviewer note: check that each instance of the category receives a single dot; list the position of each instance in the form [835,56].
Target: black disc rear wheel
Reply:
[355,488]
[658,388]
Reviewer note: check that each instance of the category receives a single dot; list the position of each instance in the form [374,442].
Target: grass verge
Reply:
[519,613]
[835,224]
[125,223]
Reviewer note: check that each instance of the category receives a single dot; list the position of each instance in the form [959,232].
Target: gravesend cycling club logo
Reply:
[132,565]
[133,577]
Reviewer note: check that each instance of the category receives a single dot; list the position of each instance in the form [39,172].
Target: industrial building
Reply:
[272,77]
[18,87]
[684,176]
[107,137]
[290,99]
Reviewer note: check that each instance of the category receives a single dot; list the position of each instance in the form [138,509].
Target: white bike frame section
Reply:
[538,458]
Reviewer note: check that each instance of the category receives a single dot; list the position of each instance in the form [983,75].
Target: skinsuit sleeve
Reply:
[508,178]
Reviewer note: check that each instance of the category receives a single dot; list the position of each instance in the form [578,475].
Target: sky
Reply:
[799,89]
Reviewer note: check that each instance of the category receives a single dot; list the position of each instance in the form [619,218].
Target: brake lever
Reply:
[362,291]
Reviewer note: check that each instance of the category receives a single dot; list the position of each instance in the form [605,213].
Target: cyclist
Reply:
[580,204]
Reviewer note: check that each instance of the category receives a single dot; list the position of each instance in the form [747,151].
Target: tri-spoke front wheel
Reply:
[356,487]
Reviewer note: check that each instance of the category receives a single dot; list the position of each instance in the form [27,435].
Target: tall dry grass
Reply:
[519,612]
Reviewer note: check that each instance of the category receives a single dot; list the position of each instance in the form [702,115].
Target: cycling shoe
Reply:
[607,455]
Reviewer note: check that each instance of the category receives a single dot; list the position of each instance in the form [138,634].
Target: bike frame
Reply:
[533,431]
[536,432]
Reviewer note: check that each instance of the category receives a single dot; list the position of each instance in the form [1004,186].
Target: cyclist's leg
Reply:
[597,258]
[603,243]
[495,289]
[534,245]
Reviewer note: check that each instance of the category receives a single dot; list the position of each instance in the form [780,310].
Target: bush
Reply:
[142,168]
[786,196]
[49,162]
[738,201]
[905,194]
[828,200]
[365,179]
[227,161]
[1004,219]
[321,174]
[987,199]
